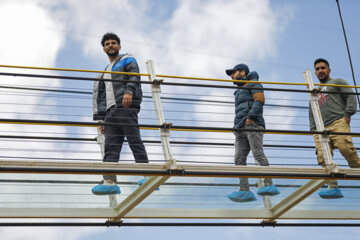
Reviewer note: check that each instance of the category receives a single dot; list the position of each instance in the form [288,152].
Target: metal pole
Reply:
[324,139]
[100,139]
[164,132]
[348,49]
[266,199]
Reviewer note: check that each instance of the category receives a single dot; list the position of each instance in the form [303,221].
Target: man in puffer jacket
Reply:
[118,102]
[249,101]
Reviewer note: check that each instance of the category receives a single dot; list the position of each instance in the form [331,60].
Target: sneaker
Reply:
[331,194]
[268,191]
[140,182]
[242,196]
[106,188]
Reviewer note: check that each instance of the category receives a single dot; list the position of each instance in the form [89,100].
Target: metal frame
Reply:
[138,196]
[100,139]
[160,173]
[164,132]
[176,213]
[296,197]
[324,139]
[139,169]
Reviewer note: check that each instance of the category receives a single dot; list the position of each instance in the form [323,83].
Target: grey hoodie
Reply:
[334,106]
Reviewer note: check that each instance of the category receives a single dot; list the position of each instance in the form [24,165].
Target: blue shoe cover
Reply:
[140,182]
[242,196]
[268,190]
[106,189]
[331,194]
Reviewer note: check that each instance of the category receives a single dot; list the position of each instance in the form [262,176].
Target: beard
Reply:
[239,77]
[323,79]
[114,54]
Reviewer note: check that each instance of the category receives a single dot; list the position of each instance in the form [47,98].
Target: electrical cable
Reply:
[348,50]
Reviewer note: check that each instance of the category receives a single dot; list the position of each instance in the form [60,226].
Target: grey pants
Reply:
[244,141]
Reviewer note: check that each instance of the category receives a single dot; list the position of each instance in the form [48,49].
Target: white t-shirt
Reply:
[110,98]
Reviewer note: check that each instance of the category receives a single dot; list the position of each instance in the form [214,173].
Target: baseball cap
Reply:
[238,67]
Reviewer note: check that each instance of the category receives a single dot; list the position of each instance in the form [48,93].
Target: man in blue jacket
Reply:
[118,102]
[249,101]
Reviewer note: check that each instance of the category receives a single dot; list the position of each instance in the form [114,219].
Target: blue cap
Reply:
[238,67]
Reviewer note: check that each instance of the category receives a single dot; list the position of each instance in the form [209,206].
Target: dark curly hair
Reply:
[110,36]
[319,60]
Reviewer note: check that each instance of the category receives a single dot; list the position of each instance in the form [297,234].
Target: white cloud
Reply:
[197,38]
[93,18]
[200,38]
[29,233]
[223,29]
[25,42]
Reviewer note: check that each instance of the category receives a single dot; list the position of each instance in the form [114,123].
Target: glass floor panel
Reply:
[19,190]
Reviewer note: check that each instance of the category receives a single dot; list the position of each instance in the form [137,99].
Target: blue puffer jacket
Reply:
[249,102]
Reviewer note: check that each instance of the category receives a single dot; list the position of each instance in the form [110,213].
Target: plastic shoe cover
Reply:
[268,190]
[102,189]
[140,182]
[242,196]
[331,194]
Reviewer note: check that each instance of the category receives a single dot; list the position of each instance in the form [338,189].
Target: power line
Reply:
[348,49]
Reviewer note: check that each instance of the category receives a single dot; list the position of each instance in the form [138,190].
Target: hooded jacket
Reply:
[249,102]
[124,63]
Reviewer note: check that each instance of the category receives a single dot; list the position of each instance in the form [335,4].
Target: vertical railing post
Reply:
[100,139]
[266,199]
[324,139]
[164,131]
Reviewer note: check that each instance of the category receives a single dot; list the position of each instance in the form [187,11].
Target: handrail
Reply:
[172,76]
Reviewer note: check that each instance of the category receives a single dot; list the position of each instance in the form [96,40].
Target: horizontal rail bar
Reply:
[172,127]
[171,224]
[170,83]
[73,70]
[101,168]
[171,213]
[167,76]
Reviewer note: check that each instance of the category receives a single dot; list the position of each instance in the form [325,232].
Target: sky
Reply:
[278,38]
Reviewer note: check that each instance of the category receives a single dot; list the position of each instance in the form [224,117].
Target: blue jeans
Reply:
[115,135]
[246,141]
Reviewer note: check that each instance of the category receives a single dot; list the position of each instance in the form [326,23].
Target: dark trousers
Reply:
[115,135]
